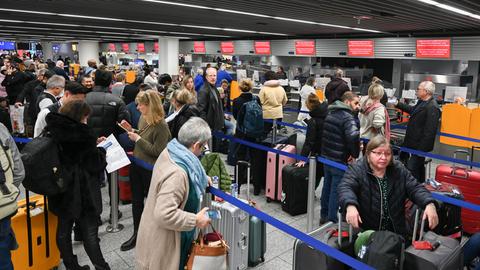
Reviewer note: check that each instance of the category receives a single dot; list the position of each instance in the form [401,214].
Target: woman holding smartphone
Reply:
[150,139]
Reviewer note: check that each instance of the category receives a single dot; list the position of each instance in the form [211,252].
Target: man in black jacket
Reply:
[336,87]
[14,81]
[107,109]
[210,105]
[340,143]
[421,129]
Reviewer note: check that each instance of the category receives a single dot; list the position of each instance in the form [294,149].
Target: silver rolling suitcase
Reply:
[234,226]
[447,253]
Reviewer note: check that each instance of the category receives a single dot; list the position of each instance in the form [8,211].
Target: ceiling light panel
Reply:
[451,8]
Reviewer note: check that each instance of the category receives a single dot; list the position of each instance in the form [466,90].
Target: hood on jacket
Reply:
[339,105]
[320,111]
[272,83]
[98,88]
[335,82]
[66,130]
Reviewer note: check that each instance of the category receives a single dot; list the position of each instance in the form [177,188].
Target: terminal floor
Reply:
[279,253]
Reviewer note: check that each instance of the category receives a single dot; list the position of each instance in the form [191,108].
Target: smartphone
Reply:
[120,125]
[213,214]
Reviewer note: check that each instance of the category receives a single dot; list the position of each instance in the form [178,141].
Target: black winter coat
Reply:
[313,139]
[359,187]
[335,89]
[14,83]
[210,106]
[341,135]
[83,163]
[187,112]
[422,125]
[107,110]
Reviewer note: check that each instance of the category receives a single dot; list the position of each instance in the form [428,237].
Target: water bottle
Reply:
[215,182]
[234,190]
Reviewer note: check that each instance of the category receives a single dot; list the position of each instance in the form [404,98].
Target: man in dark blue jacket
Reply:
[340,143]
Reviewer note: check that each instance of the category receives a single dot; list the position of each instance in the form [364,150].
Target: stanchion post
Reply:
[312,175]
[274,133]
[114,225]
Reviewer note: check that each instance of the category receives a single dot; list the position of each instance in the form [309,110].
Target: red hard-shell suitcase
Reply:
[125,190]
[275,164]
[468,181]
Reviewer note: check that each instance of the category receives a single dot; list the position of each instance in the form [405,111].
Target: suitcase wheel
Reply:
[269,200]
[262,259]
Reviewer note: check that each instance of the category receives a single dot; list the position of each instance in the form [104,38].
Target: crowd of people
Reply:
[169,125]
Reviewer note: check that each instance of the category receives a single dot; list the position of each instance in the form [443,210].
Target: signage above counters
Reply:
[305,47]
[433,48]
[199,47]
[262,47]
[227,47]
[361,48]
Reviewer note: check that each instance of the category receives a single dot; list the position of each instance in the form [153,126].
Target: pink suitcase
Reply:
[275,164]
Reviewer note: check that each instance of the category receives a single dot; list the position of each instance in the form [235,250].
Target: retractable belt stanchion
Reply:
[114,225]
[274,133]
[312,175]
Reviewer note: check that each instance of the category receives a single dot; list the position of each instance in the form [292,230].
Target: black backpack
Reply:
[384,251]
[43,170]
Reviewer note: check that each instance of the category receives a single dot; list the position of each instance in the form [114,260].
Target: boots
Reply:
[72,264]
[130,243]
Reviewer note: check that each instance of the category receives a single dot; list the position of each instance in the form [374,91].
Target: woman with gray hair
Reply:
[168,223]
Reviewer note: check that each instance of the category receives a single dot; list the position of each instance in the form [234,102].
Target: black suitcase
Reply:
[294,189]
[308,258]
[446,255]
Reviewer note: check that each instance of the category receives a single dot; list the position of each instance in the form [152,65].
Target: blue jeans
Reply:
[471,250]
[329,199]
[7,244]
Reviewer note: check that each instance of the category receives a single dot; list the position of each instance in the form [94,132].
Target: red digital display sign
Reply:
[125,47]
[433,48]
[262,47]
[199,47]
[155,47]
[227,47]
[111,47]
[141,47]
[363,48]
[305,47]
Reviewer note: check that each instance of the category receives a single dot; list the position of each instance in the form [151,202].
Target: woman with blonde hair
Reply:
[183,110]
[373,115]
[150,139]
[187,83]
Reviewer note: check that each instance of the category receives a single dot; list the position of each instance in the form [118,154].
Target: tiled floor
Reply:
[279,253]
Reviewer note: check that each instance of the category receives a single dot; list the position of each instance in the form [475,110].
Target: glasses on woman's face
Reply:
[383,153]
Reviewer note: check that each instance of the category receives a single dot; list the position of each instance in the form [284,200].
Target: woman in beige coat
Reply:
[168,223]
[373,115]
[273,98]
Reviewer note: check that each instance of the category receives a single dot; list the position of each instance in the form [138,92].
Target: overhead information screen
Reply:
[433,48]
[362,48]
[227,47]
[305,47]
[262,47]
[7,45]
[199,46]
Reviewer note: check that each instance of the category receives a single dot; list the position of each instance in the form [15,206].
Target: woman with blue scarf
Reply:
[171,212]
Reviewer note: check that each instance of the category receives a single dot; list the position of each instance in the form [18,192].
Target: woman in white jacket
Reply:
[373,115]
[306,90]
[151,80]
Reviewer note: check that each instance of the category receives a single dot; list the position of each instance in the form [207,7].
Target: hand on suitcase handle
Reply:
[353,217]
[201,220]
[431,213]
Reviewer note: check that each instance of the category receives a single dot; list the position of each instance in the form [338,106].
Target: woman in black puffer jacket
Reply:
[83,164]
[373,191]
[313,140]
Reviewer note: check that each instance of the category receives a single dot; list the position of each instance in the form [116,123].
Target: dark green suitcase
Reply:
[257,242]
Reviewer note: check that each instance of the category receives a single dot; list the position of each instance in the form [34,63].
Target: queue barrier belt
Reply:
[280,225]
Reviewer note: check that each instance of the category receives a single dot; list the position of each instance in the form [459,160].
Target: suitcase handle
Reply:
[454,169]
[246,163]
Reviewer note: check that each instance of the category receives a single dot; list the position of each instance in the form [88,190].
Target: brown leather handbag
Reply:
[205,257]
